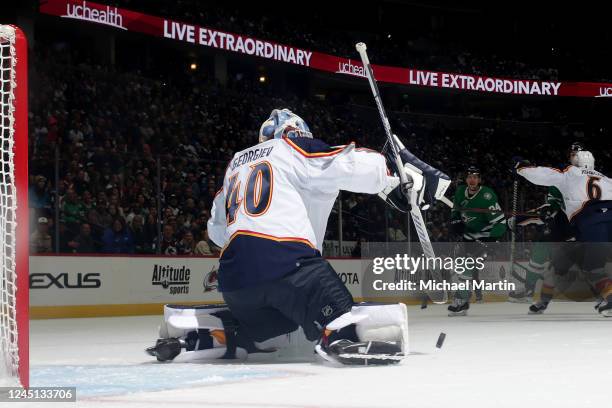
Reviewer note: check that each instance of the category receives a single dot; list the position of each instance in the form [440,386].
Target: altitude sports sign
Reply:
[128,20]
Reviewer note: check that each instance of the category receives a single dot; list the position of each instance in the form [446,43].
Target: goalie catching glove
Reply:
[426,182]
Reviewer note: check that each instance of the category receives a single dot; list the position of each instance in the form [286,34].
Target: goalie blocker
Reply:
[266,320]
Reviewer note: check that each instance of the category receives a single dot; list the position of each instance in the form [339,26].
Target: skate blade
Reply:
[519,300]
[461,313]
[539,312]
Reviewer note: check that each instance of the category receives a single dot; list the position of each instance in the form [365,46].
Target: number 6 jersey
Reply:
[275,202]
[580,188]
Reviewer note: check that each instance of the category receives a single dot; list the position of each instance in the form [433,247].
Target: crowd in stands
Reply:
[124,163]
[436,49]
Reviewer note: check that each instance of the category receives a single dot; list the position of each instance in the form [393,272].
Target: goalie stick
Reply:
[415,211]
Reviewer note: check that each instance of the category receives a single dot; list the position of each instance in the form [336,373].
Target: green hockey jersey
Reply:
[555,198]
[479,224]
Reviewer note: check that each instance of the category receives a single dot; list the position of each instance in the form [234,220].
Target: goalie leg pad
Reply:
[381,332]
[196,333]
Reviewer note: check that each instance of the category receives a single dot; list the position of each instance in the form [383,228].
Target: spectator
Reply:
[187,244]
[169,244]
[40,240]
[39,194]
[436,234]
[117,239]
[88,202]
[150,229]
[142,238]
[173,205]
[356,252]
[72,209]
[83,243]
[202,248]
[395,231]
[190,208]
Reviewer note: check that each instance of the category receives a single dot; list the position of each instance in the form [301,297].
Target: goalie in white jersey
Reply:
[270,218]
[587,195]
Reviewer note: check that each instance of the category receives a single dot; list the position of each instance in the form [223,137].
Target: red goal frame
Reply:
[21,183]
[19,63]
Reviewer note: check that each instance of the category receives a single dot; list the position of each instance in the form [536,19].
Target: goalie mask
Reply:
[283,123]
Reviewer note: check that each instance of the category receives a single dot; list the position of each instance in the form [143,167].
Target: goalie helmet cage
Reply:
[14,213]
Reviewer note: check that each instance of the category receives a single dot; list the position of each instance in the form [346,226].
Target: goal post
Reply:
[14,212]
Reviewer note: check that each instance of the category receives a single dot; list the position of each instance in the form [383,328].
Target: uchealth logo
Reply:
[350,69]
[211,280]
[605,92]
[109,16]
[173,279]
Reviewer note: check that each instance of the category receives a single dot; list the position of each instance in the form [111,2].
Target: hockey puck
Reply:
[440,341]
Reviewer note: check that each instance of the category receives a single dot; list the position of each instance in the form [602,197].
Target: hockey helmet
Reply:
[585,160]
[283,123]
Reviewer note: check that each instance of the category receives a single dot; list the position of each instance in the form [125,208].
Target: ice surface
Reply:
[498,356]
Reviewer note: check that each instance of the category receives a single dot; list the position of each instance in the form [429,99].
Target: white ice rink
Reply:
[497,357]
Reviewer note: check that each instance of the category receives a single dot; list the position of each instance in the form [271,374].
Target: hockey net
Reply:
[14,215]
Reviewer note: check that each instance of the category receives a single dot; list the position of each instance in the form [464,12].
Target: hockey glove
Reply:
[392,195]
[429,182]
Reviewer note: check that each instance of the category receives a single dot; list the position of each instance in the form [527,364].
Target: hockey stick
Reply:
[446,201]
[361,49]
[415,210]
[512,231]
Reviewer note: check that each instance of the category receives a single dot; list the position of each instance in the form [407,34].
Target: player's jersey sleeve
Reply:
[329,169]
[543,176]
[217,223]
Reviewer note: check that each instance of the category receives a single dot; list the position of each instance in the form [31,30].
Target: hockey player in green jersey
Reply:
[476,216]
[552,226]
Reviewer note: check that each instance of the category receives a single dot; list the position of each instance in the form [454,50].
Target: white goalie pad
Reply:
[377,322]
[179,320]
[213,355]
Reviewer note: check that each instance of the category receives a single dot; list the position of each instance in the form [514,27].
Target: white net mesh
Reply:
[9,358]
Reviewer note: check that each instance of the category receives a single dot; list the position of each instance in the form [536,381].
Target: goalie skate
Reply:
[362,353]
[166,349]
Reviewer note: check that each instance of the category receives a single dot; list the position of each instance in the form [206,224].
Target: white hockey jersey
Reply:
[579,187]
[275,202]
